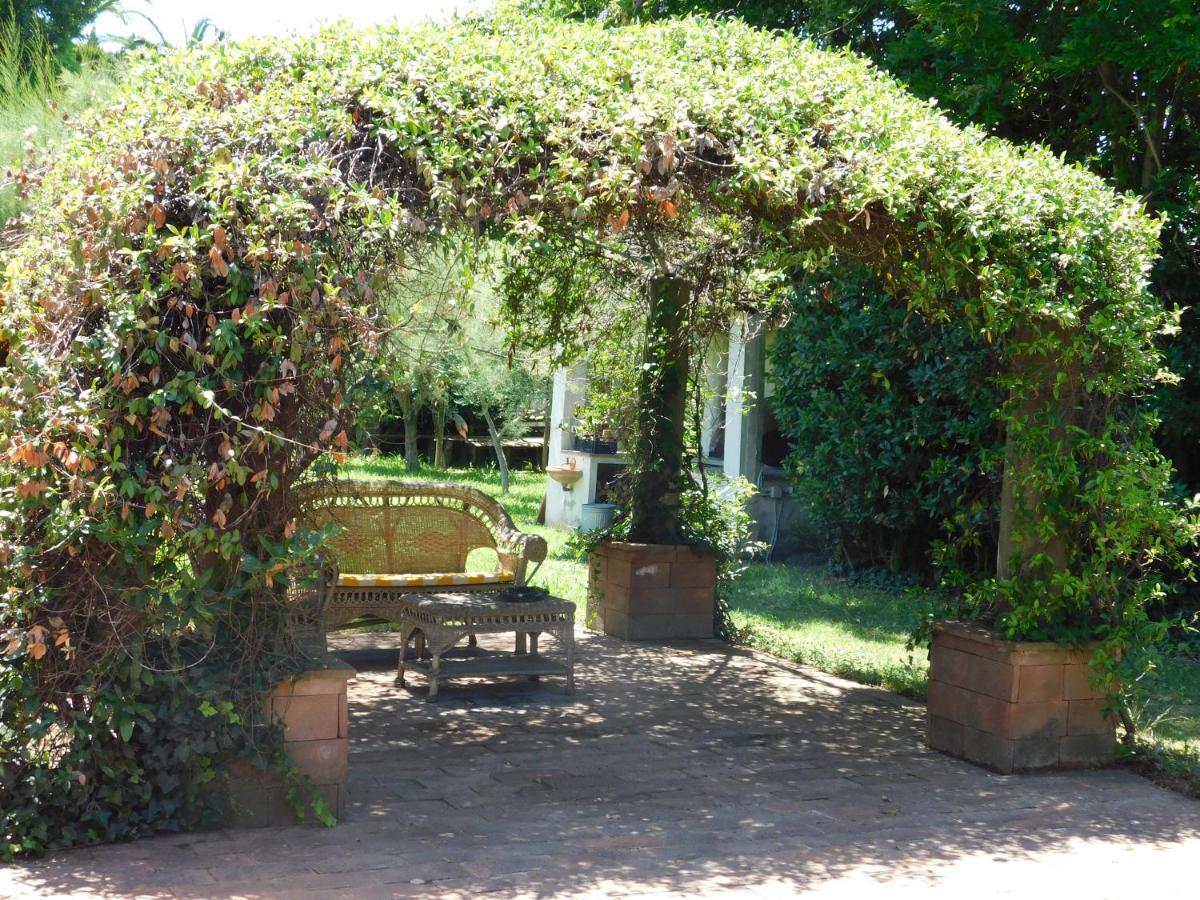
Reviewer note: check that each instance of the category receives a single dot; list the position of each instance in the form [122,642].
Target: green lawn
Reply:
[852,629]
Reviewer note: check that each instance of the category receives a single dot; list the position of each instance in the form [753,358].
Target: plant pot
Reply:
[651,592]
[312,710]
[1015,706]
[594,445]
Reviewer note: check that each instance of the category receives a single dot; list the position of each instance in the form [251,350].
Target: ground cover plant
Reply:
[189,316]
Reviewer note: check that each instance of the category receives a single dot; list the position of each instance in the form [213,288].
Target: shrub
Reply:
[889,417]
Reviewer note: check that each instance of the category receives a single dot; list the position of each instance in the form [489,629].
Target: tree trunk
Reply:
[409,412]
[499,448]
[1046,397]
[439,436]
[658,452]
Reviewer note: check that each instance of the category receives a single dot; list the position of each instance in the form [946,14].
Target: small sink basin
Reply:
[564,476]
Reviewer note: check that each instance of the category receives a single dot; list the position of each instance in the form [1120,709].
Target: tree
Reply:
[191,302]
[504,390]
[60,22]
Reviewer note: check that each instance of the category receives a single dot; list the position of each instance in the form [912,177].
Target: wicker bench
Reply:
[393,538]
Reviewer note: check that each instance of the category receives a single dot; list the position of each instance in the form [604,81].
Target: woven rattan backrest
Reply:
[402,527]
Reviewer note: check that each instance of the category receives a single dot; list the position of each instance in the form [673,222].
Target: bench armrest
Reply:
[530,547]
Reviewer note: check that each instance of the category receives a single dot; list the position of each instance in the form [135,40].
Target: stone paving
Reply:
[688,770]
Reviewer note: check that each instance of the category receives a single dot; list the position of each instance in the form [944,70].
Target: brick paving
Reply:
[674,771]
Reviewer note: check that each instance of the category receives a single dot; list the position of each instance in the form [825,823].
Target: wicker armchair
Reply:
[394,537]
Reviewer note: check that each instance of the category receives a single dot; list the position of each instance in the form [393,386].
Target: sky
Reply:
[244,18]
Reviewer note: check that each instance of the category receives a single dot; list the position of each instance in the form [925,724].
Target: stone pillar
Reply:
[570,390]
[715,372]
[746,384]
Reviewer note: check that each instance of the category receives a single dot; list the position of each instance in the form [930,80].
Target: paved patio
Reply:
[685,770]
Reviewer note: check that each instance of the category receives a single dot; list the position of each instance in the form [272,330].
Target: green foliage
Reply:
[38,104]
[58,22]
[1110,85]
[889,418]
[189,307]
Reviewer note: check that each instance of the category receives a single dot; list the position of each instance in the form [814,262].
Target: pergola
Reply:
[191,300]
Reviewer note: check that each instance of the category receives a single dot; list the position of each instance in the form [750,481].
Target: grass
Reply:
[857,631]
[852,628]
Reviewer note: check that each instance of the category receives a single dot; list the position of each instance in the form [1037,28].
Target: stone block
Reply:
[1036,720]
[612,595]
[325,762]
[1077,683]
[330,679]
[343,716]
[307,717]
[1030,754]
[694,601]
[693,570]
[1038,683]
[945,735]
[648,575]
[614,622]
[615,571]
[691,626]
[947,701]
[1079,750]
[632,586]
[1034,726]
[974,673]
[988,750]
[649,627]
[1088,717]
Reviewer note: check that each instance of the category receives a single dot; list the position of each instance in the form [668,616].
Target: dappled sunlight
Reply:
[691,769]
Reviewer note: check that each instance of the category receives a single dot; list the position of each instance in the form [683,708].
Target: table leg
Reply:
[521,649]
[406,637]
[533,649]
[568,638]
[435,667]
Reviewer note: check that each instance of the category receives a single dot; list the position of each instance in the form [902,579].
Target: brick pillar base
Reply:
[1014,706]
[651,592]
[312,710]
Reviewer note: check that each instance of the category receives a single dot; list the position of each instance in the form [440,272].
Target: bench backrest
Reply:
[403,527]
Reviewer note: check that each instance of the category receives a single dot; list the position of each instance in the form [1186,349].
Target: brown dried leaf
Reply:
[217,261]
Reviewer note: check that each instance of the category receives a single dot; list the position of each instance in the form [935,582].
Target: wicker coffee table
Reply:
[435,622]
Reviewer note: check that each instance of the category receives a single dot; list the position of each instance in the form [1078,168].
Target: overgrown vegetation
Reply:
[190,312]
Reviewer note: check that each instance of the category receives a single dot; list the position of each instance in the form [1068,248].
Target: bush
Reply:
[889,417]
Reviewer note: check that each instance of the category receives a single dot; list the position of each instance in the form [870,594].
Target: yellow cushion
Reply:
[432,579]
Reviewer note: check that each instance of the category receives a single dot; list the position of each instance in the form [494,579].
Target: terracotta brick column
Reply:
[312,710]
[1015,706]
[649,592]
